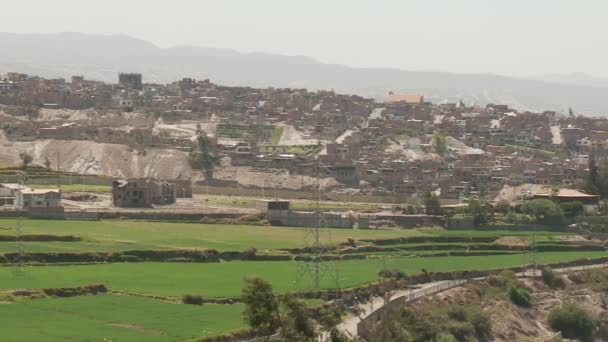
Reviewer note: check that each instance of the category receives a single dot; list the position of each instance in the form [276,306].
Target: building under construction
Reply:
[142,193]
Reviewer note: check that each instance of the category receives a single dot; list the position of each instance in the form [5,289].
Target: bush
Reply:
[544,211]
[520,296]
[481,323]
[551,280]
[392,274]
[192,299]
[573,322]
[572,209]
[128,258]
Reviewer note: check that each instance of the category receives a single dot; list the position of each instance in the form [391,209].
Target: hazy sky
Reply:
[512,37]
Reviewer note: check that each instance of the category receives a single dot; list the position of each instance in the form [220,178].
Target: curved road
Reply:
[349,325]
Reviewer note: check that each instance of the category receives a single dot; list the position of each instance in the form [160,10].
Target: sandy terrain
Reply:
[94,158]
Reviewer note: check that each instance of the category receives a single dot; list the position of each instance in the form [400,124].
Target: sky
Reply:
[508,37]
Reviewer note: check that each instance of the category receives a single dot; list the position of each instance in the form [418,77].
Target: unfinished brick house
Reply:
[142,193]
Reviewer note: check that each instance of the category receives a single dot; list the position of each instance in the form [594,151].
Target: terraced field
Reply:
[143,303]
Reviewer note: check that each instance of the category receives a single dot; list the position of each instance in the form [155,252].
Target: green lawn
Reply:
[226,279]
[114,318]
[135,235]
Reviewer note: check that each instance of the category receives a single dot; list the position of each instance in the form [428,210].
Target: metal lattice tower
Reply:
[20,249]
[317,267]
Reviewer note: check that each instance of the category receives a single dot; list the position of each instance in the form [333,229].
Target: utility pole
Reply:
[317,225]
[59,170]
[534,250]
[19,228]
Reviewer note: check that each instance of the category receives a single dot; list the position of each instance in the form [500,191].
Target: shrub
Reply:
[519,296]
[544,211]
[572,209]
[482,324]
[573,322]
[392,274]
[128,258]
[192,299]
[551,280]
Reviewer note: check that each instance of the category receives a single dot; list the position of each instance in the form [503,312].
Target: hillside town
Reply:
[403,147]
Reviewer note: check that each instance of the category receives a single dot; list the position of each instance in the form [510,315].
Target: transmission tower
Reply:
[20,250]
[317,267]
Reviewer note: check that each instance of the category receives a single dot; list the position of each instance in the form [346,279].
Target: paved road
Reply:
[349,325]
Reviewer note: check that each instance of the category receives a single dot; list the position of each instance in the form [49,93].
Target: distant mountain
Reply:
[577,78]
[102,57]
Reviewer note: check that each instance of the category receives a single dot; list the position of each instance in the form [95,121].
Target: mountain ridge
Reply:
[101,57]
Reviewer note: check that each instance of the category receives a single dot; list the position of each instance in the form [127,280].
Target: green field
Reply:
[294,205]
[121,317]
[116,235]
[226,279]
[114,318]
[133,235]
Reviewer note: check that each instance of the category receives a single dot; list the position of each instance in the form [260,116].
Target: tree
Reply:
[205,157]
[261,306]
[573,322]
[592,181]
[503,207]
[572,209]
[26,159]
[296,325]
[440,142]
[544,211]
[432,204]
[477,210]
[47,163]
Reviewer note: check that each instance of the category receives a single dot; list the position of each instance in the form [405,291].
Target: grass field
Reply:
[295,205]
[116,235]
[226,279]
[133,235]
[74,187]
[114,318]
[119,317]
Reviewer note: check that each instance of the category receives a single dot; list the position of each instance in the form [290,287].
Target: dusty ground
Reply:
[88,157]
[271,178]
[512,323]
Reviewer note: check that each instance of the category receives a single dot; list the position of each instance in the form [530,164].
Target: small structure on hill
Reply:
[142,193]
[278,213]
[590,202]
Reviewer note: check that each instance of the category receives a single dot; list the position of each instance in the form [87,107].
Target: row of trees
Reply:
[288,316]
[543,211]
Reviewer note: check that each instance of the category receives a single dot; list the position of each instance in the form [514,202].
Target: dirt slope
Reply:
[94,158]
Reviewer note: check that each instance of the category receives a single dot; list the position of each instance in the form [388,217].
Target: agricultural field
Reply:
[75,187]
[114,318]
[294,205]
[116,235]
[144,298]
[225,279]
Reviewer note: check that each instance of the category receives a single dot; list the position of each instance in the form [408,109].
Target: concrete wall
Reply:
[309,219]
[414,221]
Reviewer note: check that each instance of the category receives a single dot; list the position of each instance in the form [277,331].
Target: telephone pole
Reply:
[59,169]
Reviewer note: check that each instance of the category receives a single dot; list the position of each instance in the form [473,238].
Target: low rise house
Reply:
[142,193]
[9,193]
[47,198]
